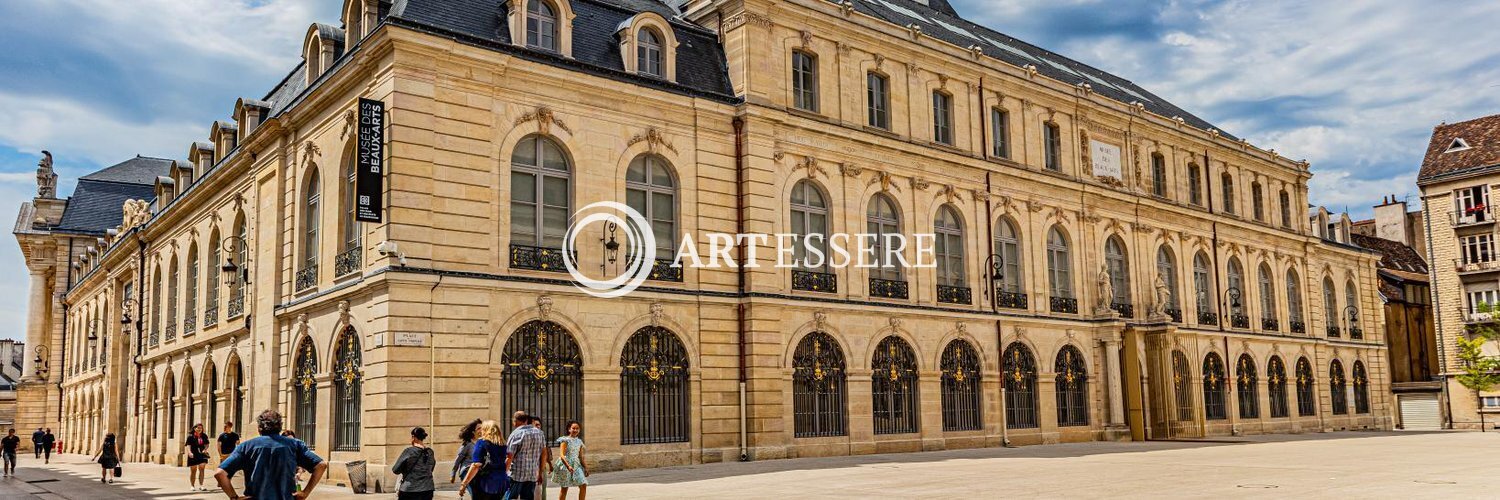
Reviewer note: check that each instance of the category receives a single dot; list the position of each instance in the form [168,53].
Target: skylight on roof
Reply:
[956,29]
[1011,49]
[899,9]
[1458,144]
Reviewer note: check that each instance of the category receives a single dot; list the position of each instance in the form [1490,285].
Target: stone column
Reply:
[36,324]
[1112,381]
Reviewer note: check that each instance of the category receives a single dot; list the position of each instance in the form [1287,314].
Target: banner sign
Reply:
[1106,159]
[369,182]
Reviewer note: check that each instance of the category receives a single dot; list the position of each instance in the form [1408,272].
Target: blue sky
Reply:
[1353,86]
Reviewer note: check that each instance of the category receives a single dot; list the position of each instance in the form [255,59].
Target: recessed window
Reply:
[1227,190]
[805,81]
[649,53]
[541,26]
[942,117]
[1195,185]
[878,96]
[1052,137]
[1158,175]
[1000,133]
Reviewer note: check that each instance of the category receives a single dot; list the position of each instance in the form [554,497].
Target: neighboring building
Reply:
[1459,174]
[11,353]
[1400,236]
[1159,279]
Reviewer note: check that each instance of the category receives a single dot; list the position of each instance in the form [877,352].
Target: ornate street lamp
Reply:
[236,271]
[994,267]
[125,309]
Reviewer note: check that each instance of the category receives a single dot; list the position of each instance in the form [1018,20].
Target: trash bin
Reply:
[358,478]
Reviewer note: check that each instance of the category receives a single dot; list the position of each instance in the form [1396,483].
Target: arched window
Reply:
[1182,386]
[1351,309]
[1008,247]
[1214,407]
[1268,320]
[950,257]
[1019,372]
[1257,201]
[540,202]
[805,81]
[961,387]
[311,213]
[1361,388]
[241,256]
[1286,210]
[156,307]
[884,221]
[155,407]
[1195,184]
[894,376]
[819,401]
[170,393]
[1203,290]
[542,372]
[1294,301]
[648,53]
[541,26]
[1119,276]
[1246,388]
[651,189]
[190,312]
[1330,308]
[348,260]
[1276,387]
[305,390]
[1227,190]
[1166,269]
[174,290]
[1236,281]
[1307,403]
[1059,267]
[1158,175]
[235,377]
[1072,388]
[654,388]
[1337,388]
[810,225]
[348,380]
[189,399]
[211,290]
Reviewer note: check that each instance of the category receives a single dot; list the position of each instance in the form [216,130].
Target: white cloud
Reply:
[84,133]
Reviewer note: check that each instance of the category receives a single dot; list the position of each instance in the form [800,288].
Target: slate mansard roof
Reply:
[1478,142]
[97,204]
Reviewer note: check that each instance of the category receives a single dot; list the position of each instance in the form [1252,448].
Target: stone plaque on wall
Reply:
[1105,158]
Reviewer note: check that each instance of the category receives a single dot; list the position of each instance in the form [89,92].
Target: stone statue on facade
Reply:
[1162,295]
[136,213]
[1106,291]
[46,179]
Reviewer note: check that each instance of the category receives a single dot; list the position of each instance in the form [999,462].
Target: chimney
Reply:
[1390,221]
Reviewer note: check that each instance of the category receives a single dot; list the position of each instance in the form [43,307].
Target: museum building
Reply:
[1109,266]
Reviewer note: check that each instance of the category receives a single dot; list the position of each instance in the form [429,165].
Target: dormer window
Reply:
[541,26]
[649,53]
[1458,144]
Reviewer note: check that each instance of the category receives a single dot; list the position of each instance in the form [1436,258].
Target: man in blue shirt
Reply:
[270,463]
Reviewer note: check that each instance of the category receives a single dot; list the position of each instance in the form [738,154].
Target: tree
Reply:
[1480,372]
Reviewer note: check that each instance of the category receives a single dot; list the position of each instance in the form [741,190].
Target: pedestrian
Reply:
[486,470]
[47,441]
[227,440]
[576,470]
[466,437]
[108,458]
[524,457]
[8,446]
[197,457]
[415,467]
[541,482]
[36,442]
[270,462]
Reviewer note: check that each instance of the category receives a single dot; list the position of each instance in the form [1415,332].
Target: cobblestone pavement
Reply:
[1336,465]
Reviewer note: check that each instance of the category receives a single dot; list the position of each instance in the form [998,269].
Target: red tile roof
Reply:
[1481,134]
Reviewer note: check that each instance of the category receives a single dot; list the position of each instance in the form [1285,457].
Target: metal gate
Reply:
[1420,412]
[543,376]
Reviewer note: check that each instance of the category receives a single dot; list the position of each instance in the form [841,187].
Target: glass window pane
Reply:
[555,191]
[522,187]
[525,153]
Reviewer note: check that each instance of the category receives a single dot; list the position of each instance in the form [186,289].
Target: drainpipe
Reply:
[740,309]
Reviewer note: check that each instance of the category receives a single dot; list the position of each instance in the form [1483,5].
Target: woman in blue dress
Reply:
[486,476]
[572,469]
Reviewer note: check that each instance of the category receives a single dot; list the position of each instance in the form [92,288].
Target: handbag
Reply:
[118,470]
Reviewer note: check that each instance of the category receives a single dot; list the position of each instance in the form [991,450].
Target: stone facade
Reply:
[437,299]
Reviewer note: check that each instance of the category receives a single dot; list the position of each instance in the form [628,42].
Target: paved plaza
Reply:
[1336,465]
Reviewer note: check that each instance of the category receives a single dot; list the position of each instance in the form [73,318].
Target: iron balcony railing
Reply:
[348,262]
[665,270]
[1175,314]
[955,294]
[1333,331]
[1126,309]
[210,316]
[1064,305]
[1486,266]
[1208,318]
[537,258]
[171,332]
[1356,333]
[235,307]
[1239,320]
[1298,326]
[306,278]
[1472,216]
[1011,300]
[813,281]
[189,325]
[889,289]
[1270,324]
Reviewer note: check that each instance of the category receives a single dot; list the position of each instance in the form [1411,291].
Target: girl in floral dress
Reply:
[572,469]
